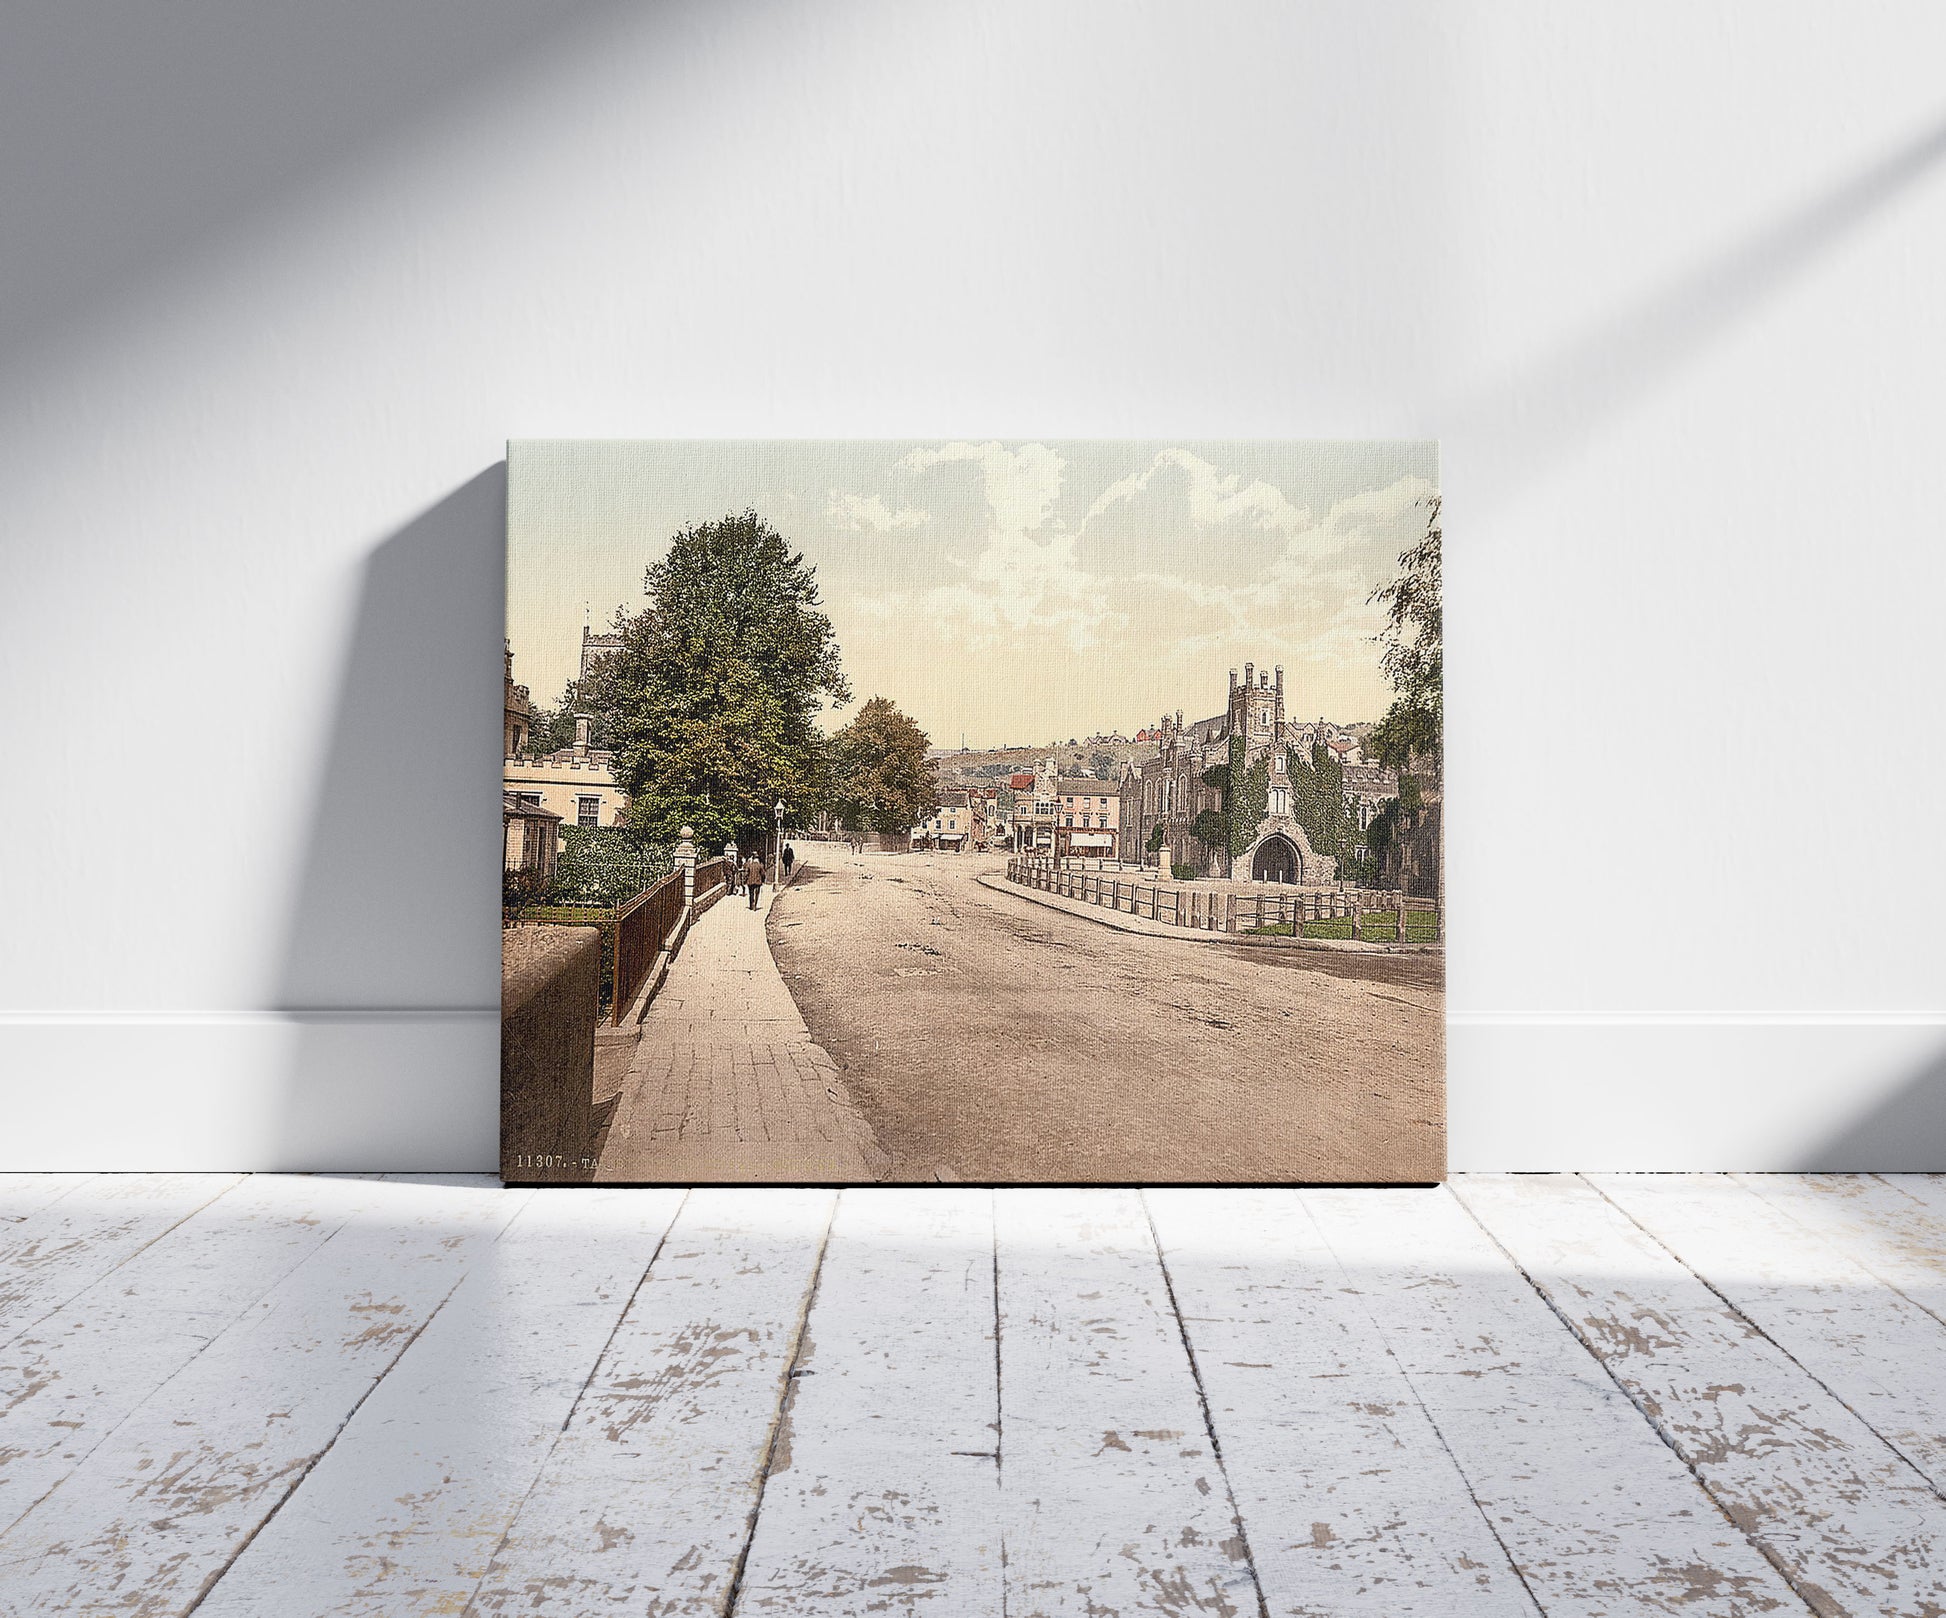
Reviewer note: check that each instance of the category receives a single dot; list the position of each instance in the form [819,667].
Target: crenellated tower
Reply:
[1257,707]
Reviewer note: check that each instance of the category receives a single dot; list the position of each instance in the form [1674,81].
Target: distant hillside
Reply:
[983,766]
[1102,760]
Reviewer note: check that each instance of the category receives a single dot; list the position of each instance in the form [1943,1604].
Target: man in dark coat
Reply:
[753,879]
[790,859]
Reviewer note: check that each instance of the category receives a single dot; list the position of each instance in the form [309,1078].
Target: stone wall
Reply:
[550,988]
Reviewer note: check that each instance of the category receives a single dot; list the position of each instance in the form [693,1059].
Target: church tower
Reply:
[1257,707]
[594,648]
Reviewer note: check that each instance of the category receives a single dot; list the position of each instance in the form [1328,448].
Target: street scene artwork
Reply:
[975,812]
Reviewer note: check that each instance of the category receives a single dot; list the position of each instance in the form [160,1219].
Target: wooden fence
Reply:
[1347,913]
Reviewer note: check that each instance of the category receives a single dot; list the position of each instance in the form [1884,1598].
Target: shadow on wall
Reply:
[1906,1133]
[1549,409]
[391,967]
[135,139]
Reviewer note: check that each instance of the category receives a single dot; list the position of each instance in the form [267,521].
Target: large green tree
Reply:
[1414,656]
[880,776]
[1410,738]
[711,700]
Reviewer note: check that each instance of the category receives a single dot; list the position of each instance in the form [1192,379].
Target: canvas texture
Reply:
[989,812]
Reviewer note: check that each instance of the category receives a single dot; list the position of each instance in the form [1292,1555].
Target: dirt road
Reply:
[1000,1040]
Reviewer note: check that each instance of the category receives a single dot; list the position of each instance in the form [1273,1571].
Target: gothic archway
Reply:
[1276,860]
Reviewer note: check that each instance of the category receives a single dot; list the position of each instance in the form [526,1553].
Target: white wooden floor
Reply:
[1600,1395]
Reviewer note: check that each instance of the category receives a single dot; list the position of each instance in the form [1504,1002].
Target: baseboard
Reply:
[251,1090]
[418,1090]
[1759,1093]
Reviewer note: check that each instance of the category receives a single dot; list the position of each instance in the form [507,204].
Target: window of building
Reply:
[529,797]
[589,813]
[1067,820]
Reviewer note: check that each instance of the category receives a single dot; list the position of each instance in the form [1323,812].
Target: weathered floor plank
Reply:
[22,1194]
[1596,1512]
[1871,1346]
[1928,1189]
[1113,1498]
[883,1495]
[645,1503]
[63,1247]
[72,1378]
[1892,1224]
[309,1396]
[1351,1502]
[404,1512]
[162,1506]
[1846,1517]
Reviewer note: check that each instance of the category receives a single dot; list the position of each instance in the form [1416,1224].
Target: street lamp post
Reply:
[777,848]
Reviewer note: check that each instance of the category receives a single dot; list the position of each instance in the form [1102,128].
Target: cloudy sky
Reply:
[1016,593]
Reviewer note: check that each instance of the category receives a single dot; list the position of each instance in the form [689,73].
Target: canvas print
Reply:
[973,811]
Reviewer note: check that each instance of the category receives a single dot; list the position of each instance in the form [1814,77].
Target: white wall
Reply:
[1665,280]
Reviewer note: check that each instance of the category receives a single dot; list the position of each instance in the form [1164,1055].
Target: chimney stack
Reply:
[581,735]
[1280,676]
[1250,674]
[1233,678]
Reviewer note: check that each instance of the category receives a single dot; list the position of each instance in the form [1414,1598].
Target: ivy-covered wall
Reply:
[1249,797]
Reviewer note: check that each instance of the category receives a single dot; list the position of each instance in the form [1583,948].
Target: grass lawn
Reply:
[1374,927]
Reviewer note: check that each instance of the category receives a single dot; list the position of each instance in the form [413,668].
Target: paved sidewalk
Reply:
[727,1083]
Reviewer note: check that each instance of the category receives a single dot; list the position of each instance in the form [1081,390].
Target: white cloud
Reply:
[1025,577]
[1214,498]
[1311,602]
[859,512]
[1291,587]
[1021,485]
[1019,583]
[1377,507]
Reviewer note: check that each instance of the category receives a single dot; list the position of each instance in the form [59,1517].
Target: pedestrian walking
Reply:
[732,867]
[790,859]
[753,879]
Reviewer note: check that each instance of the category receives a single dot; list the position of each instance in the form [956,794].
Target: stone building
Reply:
[959,823]
[1369,787]
[520,713]
[990,823]
[1065,814]
[1412,858]
[576,783]
[528,835]
[1163,798]
[595,647]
